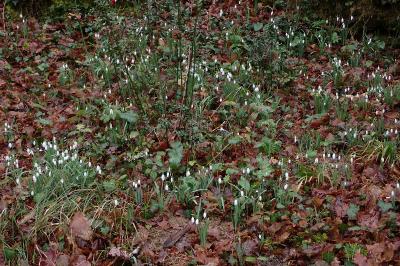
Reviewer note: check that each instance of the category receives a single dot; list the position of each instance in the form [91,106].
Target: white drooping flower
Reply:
[235,202]
[98,169]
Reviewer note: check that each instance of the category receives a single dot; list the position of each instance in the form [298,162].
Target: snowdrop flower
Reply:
[204,215]
[116,202]
[287,176]
[235,202]
[248,170]
[62,181]
[166,187]
[192,220]
[285,187]
[187,173]
[98,169]
[219,180]
[316,160]
[163,177]
[197,222]
[9,145]
[241,193]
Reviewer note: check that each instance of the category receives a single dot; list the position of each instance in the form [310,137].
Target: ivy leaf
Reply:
[368,63]
[109,186]
[175,154]
[235,139]
[380,44]
[335,37]
[9,253]
[231,171]
[44,121]
[244,183]
[352,211]
[385,206]
[257,26]
[129,116]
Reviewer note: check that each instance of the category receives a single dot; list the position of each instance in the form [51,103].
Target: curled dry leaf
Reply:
[80,227]
[341,208]
[79,260]
[369,220]
[360,260]
[63,260]
[282,237]
[249,247]
[117,252]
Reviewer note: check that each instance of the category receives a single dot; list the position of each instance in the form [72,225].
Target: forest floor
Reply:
[208,134]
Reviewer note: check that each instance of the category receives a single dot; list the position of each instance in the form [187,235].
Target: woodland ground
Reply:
[197,134]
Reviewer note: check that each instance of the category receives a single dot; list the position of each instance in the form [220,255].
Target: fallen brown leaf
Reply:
[360,259]
[80,227]
[282,237]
